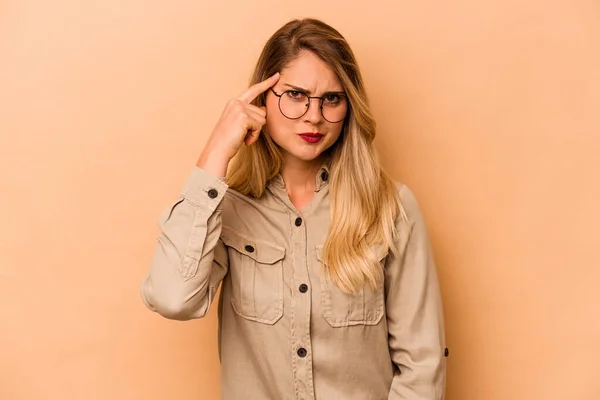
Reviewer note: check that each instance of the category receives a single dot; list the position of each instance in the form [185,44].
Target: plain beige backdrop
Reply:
[489,110]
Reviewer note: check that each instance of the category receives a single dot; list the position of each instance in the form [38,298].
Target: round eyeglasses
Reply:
[294,104]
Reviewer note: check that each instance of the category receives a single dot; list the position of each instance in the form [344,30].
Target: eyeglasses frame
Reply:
[322,99]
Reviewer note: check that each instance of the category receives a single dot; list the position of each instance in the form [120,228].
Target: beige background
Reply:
[489,110]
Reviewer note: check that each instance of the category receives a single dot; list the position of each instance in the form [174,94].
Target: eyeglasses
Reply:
[294,104]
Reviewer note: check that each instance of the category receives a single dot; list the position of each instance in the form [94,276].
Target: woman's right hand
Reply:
[240,122]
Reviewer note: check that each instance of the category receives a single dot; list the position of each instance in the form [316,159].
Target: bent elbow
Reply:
[171,304]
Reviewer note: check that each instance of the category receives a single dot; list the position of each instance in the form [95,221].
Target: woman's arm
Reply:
[190,260]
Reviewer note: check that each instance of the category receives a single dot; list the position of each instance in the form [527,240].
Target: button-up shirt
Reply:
[285,331]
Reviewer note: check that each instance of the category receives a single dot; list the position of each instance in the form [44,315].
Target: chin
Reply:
[305,155]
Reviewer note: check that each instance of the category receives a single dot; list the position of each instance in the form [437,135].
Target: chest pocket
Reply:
[366,307]
[256,271]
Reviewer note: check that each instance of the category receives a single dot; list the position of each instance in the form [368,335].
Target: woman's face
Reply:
[306,74]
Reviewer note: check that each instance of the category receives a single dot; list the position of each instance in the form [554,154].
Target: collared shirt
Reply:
[285,331]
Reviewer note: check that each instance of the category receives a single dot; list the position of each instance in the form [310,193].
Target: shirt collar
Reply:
[322,178]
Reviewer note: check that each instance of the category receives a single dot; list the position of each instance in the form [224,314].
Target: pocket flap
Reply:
[260,251]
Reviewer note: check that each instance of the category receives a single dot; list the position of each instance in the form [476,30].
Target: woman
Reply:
[329,289]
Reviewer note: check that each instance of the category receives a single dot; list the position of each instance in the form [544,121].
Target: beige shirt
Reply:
[284,331]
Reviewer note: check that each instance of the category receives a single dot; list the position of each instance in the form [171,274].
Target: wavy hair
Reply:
[364,200]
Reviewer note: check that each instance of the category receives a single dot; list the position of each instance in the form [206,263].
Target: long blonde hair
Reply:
[364,200]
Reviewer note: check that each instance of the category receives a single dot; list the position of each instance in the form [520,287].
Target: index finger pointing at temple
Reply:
[256,89]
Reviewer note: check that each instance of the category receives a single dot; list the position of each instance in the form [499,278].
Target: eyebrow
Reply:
[298,88]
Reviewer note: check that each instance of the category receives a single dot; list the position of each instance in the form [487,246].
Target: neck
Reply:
[299,175]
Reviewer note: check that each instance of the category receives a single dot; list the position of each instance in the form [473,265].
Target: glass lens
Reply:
[293,104]
[334,107]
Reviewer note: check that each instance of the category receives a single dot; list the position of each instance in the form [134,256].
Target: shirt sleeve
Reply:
[190,260]
[414,312]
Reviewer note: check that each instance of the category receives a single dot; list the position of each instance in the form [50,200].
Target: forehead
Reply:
[310,72]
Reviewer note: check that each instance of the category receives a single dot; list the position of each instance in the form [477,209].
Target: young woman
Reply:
[328,285]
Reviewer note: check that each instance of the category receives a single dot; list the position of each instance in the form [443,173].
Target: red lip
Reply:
[312,134]
[311,137]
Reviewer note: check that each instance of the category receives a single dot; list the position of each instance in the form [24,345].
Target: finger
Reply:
[253,91]
[253,129]
[252,136]
[258,115]
[258,110]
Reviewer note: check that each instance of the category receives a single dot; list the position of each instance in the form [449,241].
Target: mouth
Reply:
[311,137]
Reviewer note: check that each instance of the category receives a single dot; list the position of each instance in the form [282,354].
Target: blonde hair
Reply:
[364,200]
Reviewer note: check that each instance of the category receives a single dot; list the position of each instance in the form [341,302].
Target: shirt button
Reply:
[324,176]
[212,193]
[302,352]
[446,352]
[303,288]
[298,221]
[249,248]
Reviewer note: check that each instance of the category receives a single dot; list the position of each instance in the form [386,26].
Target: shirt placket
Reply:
[301,348]
[301,299]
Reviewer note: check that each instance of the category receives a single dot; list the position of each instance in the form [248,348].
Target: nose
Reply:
[313,114]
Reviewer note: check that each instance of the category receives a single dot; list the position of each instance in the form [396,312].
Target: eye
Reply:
[332,98]
[295,94]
